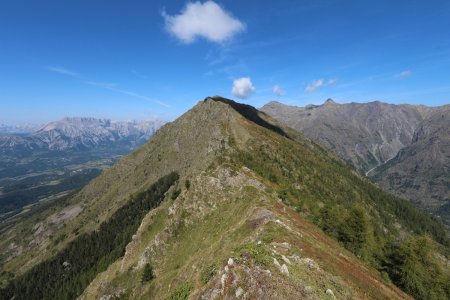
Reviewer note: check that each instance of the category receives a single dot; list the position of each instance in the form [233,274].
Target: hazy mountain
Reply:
[225,202]
[62,156]
[405,148]
[81,133]
[24,128]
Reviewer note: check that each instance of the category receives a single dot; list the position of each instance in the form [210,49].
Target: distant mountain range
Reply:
[24,128]
[78,134]
[404,148]
[62,156]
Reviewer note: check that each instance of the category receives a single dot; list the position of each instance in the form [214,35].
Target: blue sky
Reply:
[156,59]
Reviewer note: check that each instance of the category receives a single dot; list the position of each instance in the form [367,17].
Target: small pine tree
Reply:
[147,273]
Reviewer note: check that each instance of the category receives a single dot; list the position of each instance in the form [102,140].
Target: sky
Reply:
[156,59]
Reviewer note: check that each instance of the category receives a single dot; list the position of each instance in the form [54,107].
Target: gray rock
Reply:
[239,292]
[284,270]
[230,262]
[330,292]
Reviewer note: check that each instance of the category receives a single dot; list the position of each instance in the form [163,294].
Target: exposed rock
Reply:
[223,281]
[284,247]
[173,209]
[239,292]
[275,261]
[286,260]
[308,290]
[284,270]
[230,262]
[310,263]
[296,258]
[330,292]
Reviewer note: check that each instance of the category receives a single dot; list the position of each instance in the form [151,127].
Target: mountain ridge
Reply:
[239,216]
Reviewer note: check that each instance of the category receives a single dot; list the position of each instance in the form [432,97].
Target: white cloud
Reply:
[207,20]
[278,90]
[242,88]
[313,86]
[404,74]
[317,84]
[62,71]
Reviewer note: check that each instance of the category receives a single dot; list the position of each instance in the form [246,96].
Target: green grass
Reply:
[181,292]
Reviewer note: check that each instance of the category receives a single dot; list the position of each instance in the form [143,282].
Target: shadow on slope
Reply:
[250,113]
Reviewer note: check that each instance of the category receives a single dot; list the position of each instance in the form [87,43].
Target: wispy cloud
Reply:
[243,88]
[331,82]
[314,85]
[208,20]
[278,90]
[404,74]
[108,86]
[113,87]
[62,71]
[317,84]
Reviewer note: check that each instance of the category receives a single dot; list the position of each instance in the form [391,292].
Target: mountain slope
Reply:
[248,189]
[421,170]
[366,134]
[404,148]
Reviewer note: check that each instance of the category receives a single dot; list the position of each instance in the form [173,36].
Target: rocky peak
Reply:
[274,104]
[329,102]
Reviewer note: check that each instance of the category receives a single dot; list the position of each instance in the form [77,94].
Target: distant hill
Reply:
[405,148]
[224,203]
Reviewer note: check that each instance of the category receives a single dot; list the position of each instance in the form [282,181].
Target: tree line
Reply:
[66,275]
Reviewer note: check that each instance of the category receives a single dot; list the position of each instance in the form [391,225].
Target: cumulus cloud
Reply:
[404,74]
[242,88]
[277,90]
[208,20]
[313,86]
